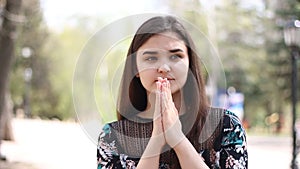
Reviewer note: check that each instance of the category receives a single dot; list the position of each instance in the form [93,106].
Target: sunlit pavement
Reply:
[50,145]
[270,152]
[64,145]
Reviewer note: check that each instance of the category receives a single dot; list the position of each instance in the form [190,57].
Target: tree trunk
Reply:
[8,34]
[6,126]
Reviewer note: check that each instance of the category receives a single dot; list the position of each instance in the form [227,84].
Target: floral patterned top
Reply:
[121,145]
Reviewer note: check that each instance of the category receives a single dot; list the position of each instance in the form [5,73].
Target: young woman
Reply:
[164,120]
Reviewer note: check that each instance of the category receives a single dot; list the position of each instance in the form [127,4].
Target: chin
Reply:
[175,91]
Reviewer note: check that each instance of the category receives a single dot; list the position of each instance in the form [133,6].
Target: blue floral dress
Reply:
[121,145]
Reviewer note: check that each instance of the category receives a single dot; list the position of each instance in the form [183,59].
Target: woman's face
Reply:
[163,55]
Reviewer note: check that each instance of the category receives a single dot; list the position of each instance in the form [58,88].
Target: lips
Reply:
[171,79]
[168,78]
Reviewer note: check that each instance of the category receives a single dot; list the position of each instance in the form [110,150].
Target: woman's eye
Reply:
[151,58]
[174,57]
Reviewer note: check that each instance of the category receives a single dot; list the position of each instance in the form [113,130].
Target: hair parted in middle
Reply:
[133,96]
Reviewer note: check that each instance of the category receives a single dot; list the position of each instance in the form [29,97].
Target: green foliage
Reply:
[279,60]
[64,48]
[32,35]
[250,44]
[248,40]
[240,44]
[108,79]
[52,61]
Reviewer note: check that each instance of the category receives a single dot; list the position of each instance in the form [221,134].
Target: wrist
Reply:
[180,145]
[157,141]
[179,137]
[174,134]
[154,146]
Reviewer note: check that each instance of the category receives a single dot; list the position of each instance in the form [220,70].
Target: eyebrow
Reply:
[155,52]
[150,52]
[175,50]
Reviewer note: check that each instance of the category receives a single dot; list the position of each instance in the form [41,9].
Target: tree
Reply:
[240,40]
[278,54]
[36,96]
[8,35]
[250,43]
[35,90]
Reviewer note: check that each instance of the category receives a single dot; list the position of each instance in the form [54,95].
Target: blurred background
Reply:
[41,41]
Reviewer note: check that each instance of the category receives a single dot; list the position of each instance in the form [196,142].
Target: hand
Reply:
[171,124]
[158,131]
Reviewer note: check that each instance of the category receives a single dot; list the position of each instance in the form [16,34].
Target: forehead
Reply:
[164,41]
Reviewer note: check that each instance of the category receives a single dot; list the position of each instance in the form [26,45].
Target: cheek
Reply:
[181,71]
[147,78]
[181,74]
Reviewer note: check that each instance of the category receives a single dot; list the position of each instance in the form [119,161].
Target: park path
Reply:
[41,144]
[50,145]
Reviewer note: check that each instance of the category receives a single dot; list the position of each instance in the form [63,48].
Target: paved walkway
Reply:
[16,165]
[63,145]
[50,145]
[269,152]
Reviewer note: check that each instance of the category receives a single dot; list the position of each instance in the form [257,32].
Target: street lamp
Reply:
[292,40]
[26,53]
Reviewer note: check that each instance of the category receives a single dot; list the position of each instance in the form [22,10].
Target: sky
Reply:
[57,12]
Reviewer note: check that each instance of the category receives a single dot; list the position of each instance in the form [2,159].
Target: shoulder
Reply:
[230,147]
[233,131]
[232,117]
[107,130]
[231,121]
[230,127]
[224,116]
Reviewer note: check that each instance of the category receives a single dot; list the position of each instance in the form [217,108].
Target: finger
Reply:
[165,80]
[166,89]
[165,101]
[169,92]
[168,103]
[160,79]
[157,111]
[163,104]
[163,92]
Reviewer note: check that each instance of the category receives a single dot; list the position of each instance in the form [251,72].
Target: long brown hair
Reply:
[133,97]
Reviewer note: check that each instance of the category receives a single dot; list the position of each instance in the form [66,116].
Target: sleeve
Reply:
[107,152]
[106,149]
[233,153]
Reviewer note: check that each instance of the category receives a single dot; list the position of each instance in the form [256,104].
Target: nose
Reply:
[164,68]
